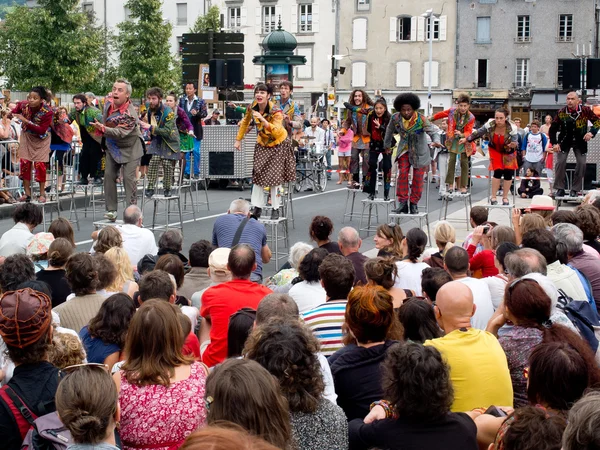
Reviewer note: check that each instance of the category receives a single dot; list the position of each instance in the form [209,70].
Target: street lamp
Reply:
[429,16]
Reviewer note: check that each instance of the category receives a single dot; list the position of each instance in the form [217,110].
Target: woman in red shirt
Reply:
[482,264]
[377,123]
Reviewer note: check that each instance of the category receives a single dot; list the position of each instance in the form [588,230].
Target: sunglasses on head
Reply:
[62,373]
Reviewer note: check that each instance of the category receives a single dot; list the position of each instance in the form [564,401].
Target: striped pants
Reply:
[168,166]
[416,188]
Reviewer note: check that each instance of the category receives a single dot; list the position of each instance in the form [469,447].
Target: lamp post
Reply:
[429,17]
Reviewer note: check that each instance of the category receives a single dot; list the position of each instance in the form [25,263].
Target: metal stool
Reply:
[421,216]
[159,199]
[366,203]
[507,208]
[351,214]
[106,223]
[274,238]
[466,197]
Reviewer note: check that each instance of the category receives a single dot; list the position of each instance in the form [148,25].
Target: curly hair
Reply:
[337,276]
[82,274]
[365,96]
[416,240]
[413,372]
[320,228]
[108,237]
[381,271]
[407,98]
[112,321]
[66,350]
[309,266]
[288,350]
[589,221]
[15,270]
[532,428]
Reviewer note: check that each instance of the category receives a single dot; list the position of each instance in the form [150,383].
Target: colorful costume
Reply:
[91,151]
[199,106]
[376,148]
[503,157]
[357,118]
[186,141]
[164,146]
[459,126]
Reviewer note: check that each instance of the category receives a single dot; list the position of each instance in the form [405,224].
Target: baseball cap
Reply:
[217,263]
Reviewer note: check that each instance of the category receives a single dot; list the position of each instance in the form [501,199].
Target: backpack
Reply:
[584,317]
[46,432]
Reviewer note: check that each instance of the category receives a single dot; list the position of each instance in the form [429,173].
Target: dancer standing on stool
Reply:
[413,150]
[358,108]
[572,123]
[274,161]
[460,125]
[378,122]
[504,139]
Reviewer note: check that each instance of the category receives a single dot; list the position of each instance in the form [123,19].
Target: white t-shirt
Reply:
[409,276]
[308,295]
[15,240]
[534,152]
[484,309]
[137,242]
[496,285]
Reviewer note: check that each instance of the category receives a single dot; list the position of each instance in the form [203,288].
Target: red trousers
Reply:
[25,169]
[402,189]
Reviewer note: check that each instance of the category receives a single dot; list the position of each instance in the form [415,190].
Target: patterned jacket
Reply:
[201,112]
[165,135]
[85,118]
[412,140]
[573,126]
[274,135]
[122,137]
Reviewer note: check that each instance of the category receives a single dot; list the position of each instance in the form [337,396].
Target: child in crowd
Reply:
[479,215]
[533,147]
[529,188]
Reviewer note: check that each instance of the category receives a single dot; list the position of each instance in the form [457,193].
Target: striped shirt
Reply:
[325,321]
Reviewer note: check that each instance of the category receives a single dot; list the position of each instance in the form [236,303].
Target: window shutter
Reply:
[294,25]
[403,74]
[279,16]
[413,28]
[315,17]
[258,21]
[393,29]
[305,72]
[420,28]
[359,34]
[359,74]
[258,72]
[243,19]
[443,24]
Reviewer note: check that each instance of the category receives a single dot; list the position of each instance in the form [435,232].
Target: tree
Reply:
[210,21]
[55,45]
[144,48]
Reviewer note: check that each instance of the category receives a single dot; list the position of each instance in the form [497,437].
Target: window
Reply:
[403,28]
[306,18]
[403,74]
[88,8]
[482,73]
[363,5]
[359,34]
[565,28]
[181,13]
[523,33]
[436,28]
[269,19]
[559,74]
[234,18]
[359,74]
[305,72]
[435,81]
[522,72]
[483,30]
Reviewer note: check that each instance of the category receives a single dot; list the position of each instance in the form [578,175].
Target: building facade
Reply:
[511,52]
[310,21]
[387,43]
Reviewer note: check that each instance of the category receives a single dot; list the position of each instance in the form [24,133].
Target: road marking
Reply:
[198,219]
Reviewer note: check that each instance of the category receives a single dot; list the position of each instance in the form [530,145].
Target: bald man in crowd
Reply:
[478,366]
[349,241]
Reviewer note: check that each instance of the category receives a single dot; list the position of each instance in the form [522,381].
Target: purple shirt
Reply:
[183,122]
[589,266]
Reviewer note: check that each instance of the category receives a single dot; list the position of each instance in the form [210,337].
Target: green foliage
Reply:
[55,45]
[144,49]
[210,21]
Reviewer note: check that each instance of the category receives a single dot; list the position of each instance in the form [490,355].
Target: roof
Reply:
[546,100]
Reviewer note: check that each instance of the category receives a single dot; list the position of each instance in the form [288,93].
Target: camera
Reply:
[596,183]
[486,229]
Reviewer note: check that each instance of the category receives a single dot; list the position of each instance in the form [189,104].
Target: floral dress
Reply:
[159,417]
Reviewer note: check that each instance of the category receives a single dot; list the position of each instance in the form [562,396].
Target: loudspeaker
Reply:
[571,74]
[235,72]
[593,74]
[216,69]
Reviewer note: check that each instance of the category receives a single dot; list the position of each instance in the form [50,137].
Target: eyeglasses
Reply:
[70,369]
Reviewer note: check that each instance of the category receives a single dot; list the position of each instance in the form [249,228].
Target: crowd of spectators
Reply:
[135,345]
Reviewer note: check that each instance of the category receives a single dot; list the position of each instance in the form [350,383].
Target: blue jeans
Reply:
[196,152]
[328,159]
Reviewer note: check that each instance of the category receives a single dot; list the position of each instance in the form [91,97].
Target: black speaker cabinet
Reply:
[593,74]
[571,74]
[217,72]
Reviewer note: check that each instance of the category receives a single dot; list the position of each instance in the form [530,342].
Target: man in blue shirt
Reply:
[253,233]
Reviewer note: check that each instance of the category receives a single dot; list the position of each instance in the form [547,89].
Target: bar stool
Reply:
[351,193]
[370,204]
[421,217]
[274,237]
[446,198]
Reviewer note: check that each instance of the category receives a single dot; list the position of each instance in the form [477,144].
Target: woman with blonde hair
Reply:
[124,281]
[388,240]
[445,238]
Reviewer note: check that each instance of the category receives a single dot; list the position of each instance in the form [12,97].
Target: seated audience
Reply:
[217,272]
[410,269]
[349,241]
[156,285]
[124,280]
[497,283]
[107,274]
[383,272]
[307,290]
[108,237]
[419,395]
[156,381]
[478,368]
[445,237]
[388,240]
[243,392]
[27,217]
[37,249]
[241,324]
[26,330]
[320,231]
[417,321]
[137,240]
[173,266]
[169,243]
[288,351]
[191,344]
[224,436]
[91,415]
[66,350]
[15,270]
[373,327]
[583,429]
[478,216]
[456,263]
[221,301]
[82,275]
[55,275]
[589,223]
[327,319]
[104,337]
[61,228]
[197,278]
[569,216]
[432,280]
[482,265]
[282,281]
[528,222]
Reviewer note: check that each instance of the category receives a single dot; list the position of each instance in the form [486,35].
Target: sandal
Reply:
[493,201]
[24,198]
[41,199]
[339,182]
[505,202]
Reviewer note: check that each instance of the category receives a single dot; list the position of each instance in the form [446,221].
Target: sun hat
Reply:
[542,202]
[217,263]
[40,244]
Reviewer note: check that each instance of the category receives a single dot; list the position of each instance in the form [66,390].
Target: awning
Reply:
[544,100]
